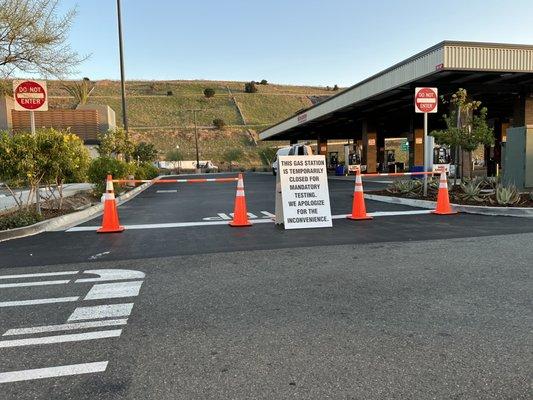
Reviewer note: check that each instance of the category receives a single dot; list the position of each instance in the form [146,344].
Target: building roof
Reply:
[446,56]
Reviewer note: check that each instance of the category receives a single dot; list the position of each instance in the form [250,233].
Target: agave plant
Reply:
[472,191]
[490,182]
[506,195]
[404,187]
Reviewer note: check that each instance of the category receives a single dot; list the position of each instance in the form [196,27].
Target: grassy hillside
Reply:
[158,111]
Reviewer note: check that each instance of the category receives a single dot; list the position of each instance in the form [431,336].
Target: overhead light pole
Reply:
[194,111]
[122,79]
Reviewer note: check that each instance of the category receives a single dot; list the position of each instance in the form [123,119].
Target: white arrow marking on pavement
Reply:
[65,327]
[73,337]
[16,303]
[38,275]
[52,372]
[114,290]
[27,284]
[104,311]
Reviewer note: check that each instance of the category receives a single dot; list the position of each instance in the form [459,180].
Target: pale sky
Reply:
[284,41]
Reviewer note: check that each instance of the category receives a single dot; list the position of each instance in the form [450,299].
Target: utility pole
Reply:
[194,111]
[122,79]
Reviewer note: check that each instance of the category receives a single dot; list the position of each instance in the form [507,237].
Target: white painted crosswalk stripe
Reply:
[39,275]
[52,372]
[111,275]
[87,323]
[99,312]
[114,290]
[17,303]
[36,283]
[65,327]
[74,337]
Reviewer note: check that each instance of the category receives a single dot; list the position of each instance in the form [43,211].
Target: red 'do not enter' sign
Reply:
[30,95]
[426,100]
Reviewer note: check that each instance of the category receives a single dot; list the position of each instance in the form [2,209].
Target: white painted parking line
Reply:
[103,311]
[114,290]
[38,275]
[398,213]
[165,225]
[16,303]
[167,191]
[53,372]
[65,327]
[111,275]
[255,221]
[73,337]
[27,284]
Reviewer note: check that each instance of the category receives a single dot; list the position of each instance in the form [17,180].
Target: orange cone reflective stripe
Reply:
[110,222]
[443,197]
[240,213]
[358,203]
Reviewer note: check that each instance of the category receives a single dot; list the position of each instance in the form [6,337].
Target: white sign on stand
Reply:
[302,192]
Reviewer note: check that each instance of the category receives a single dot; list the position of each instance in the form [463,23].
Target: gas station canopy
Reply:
[499,75]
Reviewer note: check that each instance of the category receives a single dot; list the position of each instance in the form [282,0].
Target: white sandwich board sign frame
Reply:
[302,193]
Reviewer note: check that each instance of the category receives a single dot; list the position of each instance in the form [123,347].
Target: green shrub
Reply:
[250,87]
[144,152]
[19,218]
[219,123]
[170,93]
[146,171]
[336,87]
[101,167]
[209,92]
[263,82]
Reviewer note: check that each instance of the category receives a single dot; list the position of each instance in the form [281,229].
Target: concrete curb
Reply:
[66,221]
[523,212]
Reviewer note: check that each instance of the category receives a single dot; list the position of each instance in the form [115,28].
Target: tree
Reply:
[336,87]
[267,155]
[46,158]
[219,123]
[263,82]
[250,87]
[466,128]
[209,92]
[33,38]
[232,155]
[80,90]
[115,142]
[144,152]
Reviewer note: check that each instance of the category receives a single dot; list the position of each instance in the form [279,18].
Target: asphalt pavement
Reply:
[409,306]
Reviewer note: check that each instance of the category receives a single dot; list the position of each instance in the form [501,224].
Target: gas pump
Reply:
[353,156]
[390,160]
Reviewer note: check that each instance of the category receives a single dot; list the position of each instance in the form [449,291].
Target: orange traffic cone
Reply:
[358,206]
[110,221]
[443,198]
[240,213]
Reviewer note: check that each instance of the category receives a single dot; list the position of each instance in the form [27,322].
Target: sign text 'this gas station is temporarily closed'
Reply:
[304,192]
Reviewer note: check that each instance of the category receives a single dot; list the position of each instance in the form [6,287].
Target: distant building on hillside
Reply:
[86,121]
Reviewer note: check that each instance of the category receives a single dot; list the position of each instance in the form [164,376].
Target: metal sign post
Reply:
[31,96]
[426,100]
[426,152]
